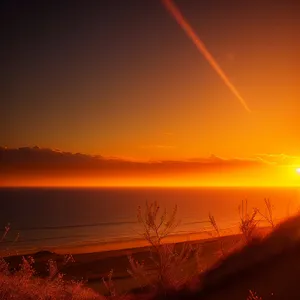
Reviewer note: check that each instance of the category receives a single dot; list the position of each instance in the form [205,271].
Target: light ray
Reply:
[177,15]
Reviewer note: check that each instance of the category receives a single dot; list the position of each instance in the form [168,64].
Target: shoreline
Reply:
[91,267]
[116,245]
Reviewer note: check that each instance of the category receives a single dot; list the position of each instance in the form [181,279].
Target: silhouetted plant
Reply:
[253,296]
[6,230]
[268,215]
[138,271]
[156,225]
[214,224]
[109,284]
[167,259]
[23,284]
[248,223]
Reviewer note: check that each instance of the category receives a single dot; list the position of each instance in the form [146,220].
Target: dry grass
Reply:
[214,224]
[24,285]
[248,222]
[253,296]
[168,260]
[164,275]
[268,215]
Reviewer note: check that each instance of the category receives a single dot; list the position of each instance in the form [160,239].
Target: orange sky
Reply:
[143,87]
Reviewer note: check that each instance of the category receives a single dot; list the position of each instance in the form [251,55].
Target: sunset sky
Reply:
[122,80]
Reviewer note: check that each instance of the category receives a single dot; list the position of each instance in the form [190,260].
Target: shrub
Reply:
[217,230]
[168,259]
[253,296]
[268,215]
[248,223]
[23,285]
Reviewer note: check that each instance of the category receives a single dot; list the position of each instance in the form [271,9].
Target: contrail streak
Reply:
[177,15]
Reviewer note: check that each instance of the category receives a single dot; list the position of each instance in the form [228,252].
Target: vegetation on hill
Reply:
[177,270]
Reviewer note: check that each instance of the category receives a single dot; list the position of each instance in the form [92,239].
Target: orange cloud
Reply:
[23,166]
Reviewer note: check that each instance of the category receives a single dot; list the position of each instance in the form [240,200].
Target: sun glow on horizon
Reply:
[282,178]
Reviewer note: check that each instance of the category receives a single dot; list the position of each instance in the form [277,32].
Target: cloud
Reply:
[279,159]
[31,158]
[27,165]
[43,157]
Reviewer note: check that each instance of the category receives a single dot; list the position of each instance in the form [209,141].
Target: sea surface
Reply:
[51,218]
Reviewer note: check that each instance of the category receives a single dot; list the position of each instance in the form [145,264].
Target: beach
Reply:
[94,266]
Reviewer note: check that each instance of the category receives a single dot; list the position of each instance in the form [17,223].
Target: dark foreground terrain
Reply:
[268,267]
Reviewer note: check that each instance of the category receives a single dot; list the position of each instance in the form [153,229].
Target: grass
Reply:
[157,225]
[268,215]
[22,284]
[215,226]
[248,221]
[253,296]
[169,261]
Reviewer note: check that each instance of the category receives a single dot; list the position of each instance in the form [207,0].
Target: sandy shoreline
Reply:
[91,267]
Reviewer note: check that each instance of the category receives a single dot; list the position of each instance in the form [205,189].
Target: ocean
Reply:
[53,218]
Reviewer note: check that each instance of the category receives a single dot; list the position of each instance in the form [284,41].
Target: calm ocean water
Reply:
[50,218]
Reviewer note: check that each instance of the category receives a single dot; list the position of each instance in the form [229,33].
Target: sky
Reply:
[122,80]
